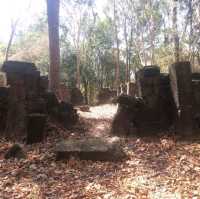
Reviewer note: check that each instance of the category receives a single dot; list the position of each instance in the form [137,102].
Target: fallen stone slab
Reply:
[96,149]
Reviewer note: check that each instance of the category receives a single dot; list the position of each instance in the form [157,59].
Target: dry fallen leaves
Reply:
[156,168]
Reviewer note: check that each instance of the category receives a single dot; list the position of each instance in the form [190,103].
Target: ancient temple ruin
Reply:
[155,102]
[160,102]
[26,104]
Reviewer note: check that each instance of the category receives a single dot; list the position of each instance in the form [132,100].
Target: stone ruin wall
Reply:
[26,104]
[160,101]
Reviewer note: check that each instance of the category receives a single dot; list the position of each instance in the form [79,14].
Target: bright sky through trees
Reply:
[26,10]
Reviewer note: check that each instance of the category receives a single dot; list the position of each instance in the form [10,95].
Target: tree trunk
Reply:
[54,49]
[191,50]
[117,70]
[175,30]
[85,83]
[78,75]
[13,29]
[152,38]
[130,48]
[127,51]
[198,58]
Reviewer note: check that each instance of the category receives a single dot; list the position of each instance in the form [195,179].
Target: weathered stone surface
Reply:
[150,113]
[151,87]
[196,90]
[129,115]
[15,151]
[148,82]
[18,67]
[96,149]
[167,104]
[23,79]
[35,128]
[26,102]
[181,85]
[168,100]
[31,84]
[16,116]
[196,95]
[43,85]
[4,91]
[37,105]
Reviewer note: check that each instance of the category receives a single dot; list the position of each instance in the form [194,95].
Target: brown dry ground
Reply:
[158,167]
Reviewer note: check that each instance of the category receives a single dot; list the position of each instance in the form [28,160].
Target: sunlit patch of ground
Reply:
[157,168]
[100,112]
[99,119]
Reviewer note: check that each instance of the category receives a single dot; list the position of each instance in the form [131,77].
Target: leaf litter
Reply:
[159,167]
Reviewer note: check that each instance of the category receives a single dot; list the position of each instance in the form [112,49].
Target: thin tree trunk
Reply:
[143,48]
[198,58]
[99,70]
[191,56]
[54,49]
[130,48]
[152,41]
[117,65]
[175,30]
[78,58]
[117,71]
[127,51]
[85,83]
[78,75]
[13,29]
[152,34]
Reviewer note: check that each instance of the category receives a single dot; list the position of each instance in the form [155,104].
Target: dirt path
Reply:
[98,120]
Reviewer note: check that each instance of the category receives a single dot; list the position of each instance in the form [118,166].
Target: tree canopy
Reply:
[123,37]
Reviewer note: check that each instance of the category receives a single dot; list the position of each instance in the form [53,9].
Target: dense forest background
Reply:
[105,48]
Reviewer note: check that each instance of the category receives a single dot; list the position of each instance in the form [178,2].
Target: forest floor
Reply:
[158,167]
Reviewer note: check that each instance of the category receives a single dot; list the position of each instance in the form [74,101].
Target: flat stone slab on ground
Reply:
[96,149]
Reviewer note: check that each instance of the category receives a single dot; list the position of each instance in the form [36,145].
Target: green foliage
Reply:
[68,67]
[164,57]
[145,37]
